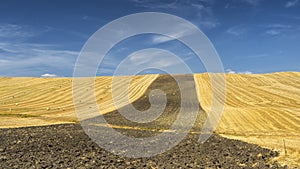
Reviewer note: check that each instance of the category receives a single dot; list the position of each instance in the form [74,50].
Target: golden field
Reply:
[260,109]
[263,109]
[43,101]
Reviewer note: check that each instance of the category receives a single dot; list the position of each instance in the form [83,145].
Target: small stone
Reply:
[259,155]
[119,161]
[3,158]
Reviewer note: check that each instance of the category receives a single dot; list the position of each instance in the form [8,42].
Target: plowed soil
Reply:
[67,146]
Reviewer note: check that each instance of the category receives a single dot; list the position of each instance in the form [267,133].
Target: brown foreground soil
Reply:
[67,146]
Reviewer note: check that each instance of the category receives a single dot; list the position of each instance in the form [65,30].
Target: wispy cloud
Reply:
[156,4]
[291,3]
[262,55]
[85,17]
[156,39]
[251,2]
[199,12]
[2,61]
[152,58]
[277,29]
[237,3]
[236,30]
[278,26]
[156,58]
[15,31]
[273,32]
[271,29]
[176,33]
[20,58]
[24,59]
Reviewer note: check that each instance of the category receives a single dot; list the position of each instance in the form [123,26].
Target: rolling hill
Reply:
[263,109]
[260,109]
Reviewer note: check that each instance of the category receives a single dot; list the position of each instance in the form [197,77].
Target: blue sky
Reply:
[45,37]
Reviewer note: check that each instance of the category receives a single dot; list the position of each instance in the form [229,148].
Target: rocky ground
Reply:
[67,146]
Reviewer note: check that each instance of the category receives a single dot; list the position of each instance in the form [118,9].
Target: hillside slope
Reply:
[42,101]
[261,109]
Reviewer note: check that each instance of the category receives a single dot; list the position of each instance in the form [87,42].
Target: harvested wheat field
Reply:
[43,101]
[259,110]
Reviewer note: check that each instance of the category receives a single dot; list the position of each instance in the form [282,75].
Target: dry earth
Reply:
[67,146]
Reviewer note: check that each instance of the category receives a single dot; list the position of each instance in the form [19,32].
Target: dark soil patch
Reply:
[63,146]
[169,86]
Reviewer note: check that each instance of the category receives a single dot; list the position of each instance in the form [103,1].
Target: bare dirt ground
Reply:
[67,146]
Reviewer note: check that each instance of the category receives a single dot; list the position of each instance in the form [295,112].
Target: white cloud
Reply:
[49,75]
[230,71]
[246,72]
[291,3]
